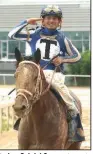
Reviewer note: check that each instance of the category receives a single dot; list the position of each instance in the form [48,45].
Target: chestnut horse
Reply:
[43,122]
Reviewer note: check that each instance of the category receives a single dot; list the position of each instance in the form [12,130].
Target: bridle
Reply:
[38,89]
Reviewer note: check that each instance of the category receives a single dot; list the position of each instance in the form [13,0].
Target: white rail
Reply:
[78,75]
[70,75]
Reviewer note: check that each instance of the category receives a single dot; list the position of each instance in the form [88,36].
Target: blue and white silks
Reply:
[50,42]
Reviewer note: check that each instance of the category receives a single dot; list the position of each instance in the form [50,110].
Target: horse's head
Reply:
[28,77]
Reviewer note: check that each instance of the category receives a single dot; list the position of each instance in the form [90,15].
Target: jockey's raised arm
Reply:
[19,34]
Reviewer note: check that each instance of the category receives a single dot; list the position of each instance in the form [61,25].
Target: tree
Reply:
[83,67]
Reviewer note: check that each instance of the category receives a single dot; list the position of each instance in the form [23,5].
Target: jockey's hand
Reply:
[33,20]
[57,61]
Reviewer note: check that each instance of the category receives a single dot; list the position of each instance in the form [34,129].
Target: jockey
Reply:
[51,41]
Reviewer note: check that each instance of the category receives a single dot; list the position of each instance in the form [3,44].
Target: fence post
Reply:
[13,117]
[4,80]
[75,81]
[7,118]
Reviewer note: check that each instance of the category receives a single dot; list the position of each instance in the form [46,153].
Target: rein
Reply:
[38,89]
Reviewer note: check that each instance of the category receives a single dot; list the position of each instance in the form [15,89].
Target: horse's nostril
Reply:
[23,107]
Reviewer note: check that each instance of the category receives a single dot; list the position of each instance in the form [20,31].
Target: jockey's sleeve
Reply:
[19,34]
[73,54]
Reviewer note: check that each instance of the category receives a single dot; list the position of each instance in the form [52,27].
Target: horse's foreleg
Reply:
[23,135]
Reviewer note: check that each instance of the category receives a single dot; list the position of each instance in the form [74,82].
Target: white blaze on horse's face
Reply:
[26,80]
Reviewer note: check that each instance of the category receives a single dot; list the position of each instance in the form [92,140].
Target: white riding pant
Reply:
[58,81]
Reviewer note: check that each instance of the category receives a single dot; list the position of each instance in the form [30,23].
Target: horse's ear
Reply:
[18,56]
[37,56]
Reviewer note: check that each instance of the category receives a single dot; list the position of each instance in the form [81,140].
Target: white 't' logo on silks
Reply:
[48,48]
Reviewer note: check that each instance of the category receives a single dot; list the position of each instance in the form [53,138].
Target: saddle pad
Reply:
[56,93]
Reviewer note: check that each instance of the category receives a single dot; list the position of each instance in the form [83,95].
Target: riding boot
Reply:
[75,129]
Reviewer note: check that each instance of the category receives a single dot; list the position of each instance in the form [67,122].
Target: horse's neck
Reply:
[44,107]
[41,105]
[36,118]
[44,116]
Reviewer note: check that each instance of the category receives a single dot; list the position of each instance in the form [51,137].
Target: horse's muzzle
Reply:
[19,108]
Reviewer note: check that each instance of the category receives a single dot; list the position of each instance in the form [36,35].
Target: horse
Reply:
[43,124]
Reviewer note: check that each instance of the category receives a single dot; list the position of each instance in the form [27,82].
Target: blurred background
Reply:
[76,26]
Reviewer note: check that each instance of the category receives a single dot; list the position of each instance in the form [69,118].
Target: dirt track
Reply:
[8,140]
